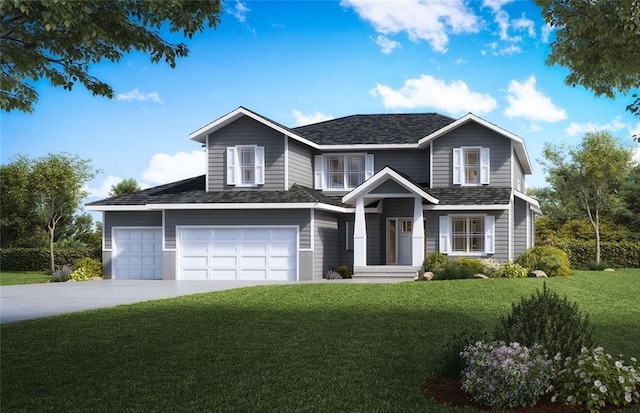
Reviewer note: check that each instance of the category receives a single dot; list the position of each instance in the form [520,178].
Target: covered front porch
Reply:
[400,236]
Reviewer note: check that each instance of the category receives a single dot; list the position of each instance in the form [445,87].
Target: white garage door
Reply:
[137,253]
[223,253]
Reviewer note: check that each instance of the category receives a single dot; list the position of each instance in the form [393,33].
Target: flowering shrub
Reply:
[594,379]
[514,270]
[492,268]
[501,375]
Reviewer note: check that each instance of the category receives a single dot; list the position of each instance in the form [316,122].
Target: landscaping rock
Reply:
[427,276]
[538,274]
[609,270]
[480,275]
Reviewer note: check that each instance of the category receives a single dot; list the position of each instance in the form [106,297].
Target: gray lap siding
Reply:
[472,135]
[246,131]
[326,251]
[300,164]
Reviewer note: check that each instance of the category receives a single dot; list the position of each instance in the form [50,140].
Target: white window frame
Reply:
[459,165]
[234,166]
[322,180]
[446,235]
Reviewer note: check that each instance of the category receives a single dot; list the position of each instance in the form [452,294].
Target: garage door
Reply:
[222,253]
[137,253]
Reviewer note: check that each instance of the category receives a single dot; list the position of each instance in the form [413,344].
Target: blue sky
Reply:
[300,62]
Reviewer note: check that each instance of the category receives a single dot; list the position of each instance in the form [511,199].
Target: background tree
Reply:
[18,225]
[592,173]
[599,42]
[124,187]
[59,39]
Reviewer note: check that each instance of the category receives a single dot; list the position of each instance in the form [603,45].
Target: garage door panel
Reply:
[197,274]
[238,253]
[137,253]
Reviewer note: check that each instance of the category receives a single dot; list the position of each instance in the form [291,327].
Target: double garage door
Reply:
[232,253]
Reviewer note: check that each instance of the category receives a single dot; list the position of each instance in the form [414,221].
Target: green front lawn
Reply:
[289,348]
[14,278]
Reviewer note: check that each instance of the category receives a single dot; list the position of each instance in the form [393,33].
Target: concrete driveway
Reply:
[24,302]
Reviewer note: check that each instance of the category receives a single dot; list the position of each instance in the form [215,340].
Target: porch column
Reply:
[417,237]
[359,236]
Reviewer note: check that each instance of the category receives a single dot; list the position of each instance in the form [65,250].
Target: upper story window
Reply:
[342,171]
[471,165]
[245,165]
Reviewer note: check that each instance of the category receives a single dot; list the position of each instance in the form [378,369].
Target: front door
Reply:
[399,232]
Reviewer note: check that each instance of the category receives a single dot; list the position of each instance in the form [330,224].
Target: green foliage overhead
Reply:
[124,187]
[599,42]
[59,39]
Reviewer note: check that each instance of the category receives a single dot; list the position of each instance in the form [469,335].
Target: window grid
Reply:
[247,166]
[347,169]
[471,166]
[467,234]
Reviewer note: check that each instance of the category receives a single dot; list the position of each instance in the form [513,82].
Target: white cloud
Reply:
[315,117]
[528,103]
[164,168]
[431,92]
[135,94]
[387,45]
[239,11]
[105,187]
[634,130]
[575,128]
[545,32]
[430,20]
[636,155]
[524,24]
[495,5]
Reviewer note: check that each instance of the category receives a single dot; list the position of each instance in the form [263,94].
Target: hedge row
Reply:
[623,254]
[37,259]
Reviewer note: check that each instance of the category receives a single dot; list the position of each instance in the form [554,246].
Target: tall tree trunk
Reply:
[51,255]
[597,228]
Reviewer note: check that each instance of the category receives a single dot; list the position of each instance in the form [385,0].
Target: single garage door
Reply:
[232,253]
[137,253]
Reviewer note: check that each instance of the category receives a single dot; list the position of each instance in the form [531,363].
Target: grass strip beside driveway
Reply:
[289,348]
[15,278]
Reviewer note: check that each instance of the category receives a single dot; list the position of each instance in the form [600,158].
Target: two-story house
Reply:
[374,192]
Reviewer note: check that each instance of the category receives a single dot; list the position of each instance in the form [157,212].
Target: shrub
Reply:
[548,320]
[622,254]
[37,259]
[456,270]
[594,266]
[92,267]
[344,271]
[501,375]
[451,364]
[514,270]
[492,268]
[81,274]
[61,274]
[332,275]
[435,262]
[551,260]
[594,379]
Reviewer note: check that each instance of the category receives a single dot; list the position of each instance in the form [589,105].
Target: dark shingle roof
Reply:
[374,129]
[471,195]
[192,191]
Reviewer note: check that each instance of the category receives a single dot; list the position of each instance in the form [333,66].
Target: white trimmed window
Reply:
[467,235]
[471,165]
[245,165]
[342,171]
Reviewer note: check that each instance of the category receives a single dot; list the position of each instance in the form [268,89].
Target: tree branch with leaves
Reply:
[59,39]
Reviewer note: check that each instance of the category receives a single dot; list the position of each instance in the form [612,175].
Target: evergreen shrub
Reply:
[548,320]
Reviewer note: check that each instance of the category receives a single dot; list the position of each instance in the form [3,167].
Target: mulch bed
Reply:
[448,390]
